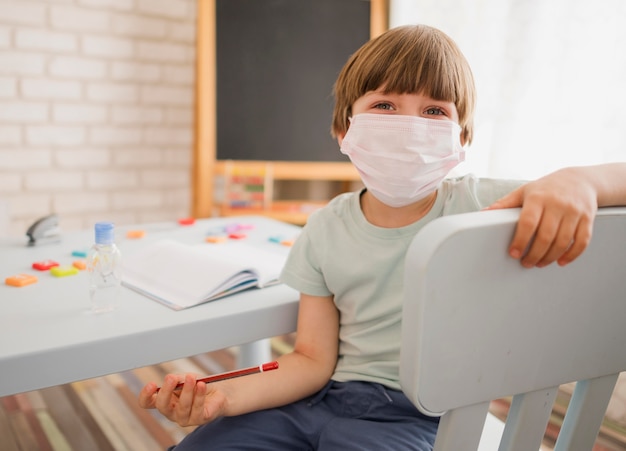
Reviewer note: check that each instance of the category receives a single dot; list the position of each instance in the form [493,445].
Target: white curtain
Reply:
[550,75]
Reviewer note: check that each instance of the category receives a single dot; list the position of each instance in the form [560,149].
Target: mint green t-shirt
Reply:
[339,253]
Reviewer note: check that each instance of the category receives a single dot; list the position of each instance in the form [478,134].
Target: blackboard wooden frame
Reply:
[205,162]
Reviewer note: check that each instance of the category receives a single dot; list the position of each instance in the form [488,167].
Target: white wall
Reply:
[96,110]
[549,75]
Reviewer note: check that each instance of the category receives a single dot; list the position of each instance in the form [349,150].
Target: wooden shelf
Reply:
[294,212]
[295,170]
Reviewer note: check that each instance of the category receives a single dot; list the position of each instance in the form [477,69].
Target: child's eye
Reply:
[383,106]
[435,111]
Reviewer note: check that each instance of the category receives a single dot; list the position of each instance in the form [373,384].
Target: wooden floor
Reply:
[95,414]
[102,414]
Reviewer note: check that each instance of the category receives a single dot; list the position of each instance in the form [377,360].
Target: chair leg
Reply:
[585,413]
[461,428]
[254,353]
[527,420]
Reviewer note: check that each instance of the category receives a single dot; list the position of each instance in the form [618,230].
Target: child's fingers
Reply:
[198,411]
[147,396]
[558,238]
[538,231]
[512,200]
[164,401]
[527,226]
[560,243]
[581,240]
[183,408]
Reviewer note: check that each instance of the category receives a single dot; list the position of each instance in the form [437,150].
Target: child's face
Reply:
[379,102]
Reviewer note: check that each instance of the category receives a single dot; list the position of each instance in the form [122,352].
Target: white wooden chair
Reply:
[477,326]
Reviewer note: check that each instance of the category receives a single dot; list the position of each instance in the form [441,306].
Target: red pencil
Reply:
[231,374]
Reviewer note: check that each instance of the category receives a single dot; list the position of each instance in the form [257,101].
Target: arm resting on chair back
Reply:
[477,326]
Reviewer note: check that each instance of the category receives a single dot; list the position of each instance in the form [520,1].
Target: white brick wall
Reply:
[21,63]
[5,37]
[53,41]
[10,135]
[96,110]
[45,88]
[23,12]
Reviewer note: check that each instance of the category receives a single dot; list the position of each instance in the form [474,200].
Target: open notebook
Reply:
[182,276]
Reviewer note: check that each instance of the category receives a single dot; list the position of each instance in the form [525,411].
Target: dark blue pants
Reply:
[343,416]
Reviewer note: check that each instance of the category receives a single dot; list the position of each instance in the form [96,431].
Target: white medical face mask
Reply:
[402,159]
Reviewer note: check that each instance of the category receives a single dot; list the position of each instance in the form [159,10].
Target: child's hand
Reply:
[195,404]
[556,219]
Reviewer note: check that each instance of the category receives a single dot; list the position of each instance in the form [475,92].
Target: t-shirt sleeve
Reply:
[302,269]
[469,193]
[487,191]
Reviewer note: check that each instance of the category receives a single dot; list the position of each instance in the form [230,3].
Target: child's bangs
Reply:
[426,74]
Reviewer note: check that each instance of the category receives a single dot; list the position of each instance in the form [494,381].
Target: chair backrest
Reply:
[477,326]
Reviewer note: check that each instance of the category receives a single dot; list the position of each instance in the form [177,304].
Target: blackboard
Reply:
[277,61]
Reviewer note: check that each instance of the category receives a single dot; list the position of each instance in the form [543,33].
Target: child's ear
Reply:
[340,137]
[463,138]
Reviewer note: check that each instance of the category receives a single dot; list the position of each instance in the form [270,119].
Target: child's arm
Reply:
[301,373]
[558,211]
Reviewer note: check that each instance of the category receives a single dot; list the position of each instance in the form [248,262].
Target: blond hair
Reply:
[414,59]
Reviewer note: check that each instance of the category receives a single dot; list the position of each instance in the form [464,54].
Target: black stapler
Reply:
[44,230]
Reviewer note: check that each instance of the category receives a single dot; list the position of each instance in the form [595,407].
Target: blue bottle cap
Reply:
[105,232]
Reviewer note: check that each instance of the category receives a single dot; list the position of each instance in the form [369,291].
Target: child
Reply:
[404,110]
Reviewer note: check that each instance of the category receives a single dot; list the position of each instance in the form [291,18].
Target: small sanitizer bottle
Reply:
[104,264]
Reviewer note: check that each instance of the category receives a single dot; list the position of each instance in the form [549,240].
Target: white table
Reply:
[48,335]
